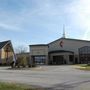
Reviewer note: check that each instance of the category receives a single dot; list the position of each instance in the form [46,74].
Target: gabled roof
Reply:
[69,39]
[2,44]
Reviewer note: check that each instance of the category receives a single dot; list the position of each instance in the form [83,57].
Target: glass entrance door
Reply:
[58,59]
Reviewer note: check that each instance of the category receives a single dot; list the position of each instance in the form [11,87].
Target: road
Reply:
[49,77]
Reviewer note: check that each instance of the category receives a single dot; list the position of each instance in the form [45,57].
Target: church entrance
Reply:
[61,57]
[58,60]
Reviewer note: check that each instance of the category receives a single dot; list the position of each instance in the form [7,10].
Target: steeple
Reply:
[64,36]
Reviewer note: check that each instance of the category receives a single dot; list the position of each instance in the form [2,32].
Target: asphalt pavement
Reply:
[49,77]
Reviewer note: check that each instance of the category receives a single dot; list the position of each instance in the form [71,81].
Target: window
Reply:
[40,59]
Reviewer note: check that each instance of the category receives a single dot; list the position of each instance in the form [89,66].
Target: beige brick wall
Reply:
[39,50]
[2,54]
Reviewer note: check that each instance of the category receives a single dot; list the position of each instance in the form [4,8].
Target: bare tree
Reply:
[21,49]
[21,56]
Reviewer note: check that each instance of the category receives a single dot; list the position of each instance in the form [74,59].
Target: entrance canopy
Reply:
[61,51]
[61,57]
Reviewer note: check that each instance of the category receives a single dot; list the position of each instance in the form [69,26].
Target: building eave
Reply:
[69,39]
[39,45]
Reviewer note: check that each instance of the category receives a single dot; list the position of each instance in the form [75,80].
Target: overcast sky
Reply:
[26,22]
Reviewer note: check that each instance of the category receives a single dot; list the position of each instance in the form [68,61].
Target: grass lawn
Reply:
[10,86]
[83,67]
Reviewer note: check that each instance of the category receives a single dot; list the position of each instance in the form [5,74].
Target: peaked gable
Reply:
[4,43]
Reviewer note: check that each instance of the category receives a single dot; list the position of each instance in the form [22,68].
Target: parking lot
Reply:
[50,77]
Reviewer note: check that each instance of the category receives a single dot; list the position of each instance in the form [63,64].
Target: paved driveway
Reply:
[50,77]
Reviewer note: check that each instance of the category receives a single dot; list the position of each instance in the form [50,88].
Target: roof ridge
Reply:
[2,44]
[70,39]
[5,41]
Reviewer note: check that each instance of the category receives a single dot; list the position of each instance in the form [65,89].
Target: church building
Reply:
[61,51]
[7,54]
